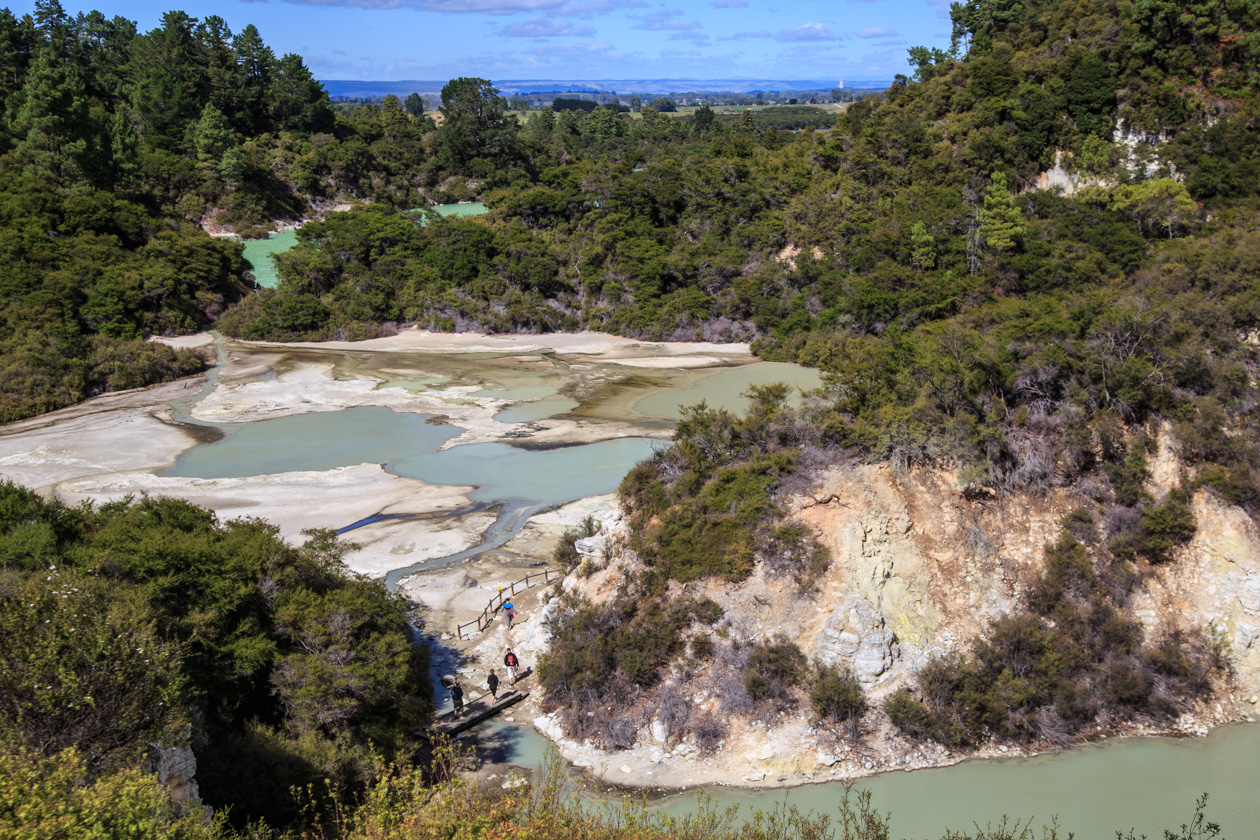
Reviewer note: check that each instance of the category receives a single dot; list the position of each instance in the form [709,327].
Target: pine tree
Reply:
[223,80]
[17,50]
[169,71]
[1000,220]
[257,63]
[923,247]
[414,105]
[51,123]
[297,100]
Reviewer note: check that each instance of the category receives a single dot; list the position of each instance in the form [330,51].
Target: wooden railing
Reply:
[483,621]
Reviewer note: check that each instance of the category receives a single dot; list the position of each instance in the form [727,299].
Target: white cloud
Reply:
[566,8]
[747,36]
[808,32]
[875,32]
[545,27]
[666,20]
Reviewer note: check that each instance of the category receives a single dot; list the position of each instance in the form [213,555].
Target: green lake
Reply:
[258,254]
[468,208]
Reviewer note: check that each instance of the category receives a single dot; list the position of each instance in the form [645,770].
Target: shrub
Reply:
[1068,571]
[1166,526]
[566,555]
[908,714]
[837,696]
[701,646]
[708,612]
[773,670]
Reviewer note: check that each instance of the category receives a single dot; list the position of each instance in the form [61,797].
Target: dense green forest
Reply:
[123,624]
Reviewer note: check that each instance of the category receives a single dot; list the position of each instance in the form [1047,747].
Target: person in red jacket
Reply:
[511,663]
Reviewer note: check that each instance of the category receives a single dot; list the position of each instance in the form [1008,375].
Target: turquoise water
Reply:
[258,254]
[468,208]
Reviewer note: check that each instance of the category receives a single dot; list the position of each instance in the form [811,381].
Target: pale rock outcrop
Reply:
[595,547]
[175,765]
[856,637]
[535,636]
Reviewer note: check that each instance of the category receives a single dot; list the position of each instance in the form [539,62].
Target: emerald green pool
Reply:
[258,253]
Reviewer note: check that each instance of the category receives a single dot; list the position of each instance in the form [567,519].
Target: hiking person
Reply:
[510,612]
[492,682]
[511,663]
[457,698]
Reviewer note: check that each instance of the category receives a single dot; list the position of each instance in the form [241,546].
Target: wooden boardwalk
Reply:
[476,711]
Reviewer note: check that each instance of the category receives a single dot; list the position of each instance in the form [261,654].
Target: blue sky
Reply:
[575,39]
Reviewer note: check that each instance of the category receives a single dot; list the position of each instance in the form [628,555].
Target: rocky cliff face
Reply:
[920,568]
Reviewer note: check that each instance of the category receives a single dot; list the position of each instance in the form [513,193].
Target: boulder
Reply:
[595,547]
[856,636]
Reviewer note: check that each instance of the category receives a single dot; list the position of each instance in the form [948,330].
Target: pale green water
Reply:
[526,412]
[407,445]
[1144,784]
[545,476]
[1147,784]
[258,253]
[525,392]
[320,441]
[723,389]
[469,208]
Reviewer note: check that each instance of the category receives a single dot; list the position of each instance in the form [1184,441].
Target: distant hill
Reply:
[357,88]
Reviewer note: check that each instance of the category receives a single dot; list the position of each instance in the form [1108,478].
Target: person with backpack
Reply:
[511,663]
[510,611]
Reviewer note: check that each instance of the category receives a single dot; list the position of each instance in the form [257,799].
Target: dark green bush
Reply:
[701,646]
[1167,526]
[908,714]
[565,555]
[707,611]
[837,696]
[774,669]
